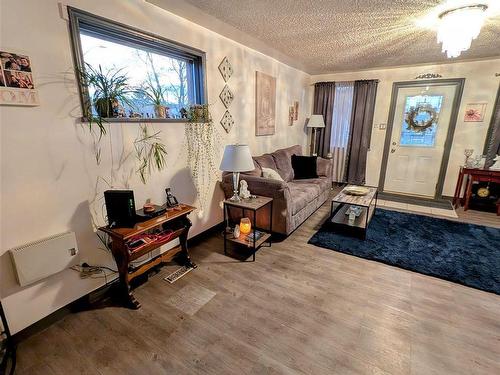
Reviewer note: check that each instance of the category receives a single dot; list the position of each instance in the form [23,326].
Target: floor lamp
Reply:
[315,122]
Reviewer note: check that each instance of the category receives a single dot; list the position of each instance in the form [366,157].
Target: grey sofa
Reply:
[293,200]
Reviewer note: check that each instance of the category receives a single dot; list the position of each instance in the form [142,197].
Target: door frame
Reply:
[459,83]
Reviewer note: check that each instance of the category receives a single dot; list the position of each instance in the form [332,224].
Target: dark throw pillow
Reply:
[304,167]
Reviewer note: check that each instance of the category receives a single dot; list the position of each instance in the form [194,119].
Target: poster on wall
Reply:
[16,80]
[474,112]
[265,104]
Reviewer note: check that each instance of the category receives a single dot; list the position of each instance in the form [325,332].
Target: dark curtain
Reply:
[492,146]
[360,133]
[324,95]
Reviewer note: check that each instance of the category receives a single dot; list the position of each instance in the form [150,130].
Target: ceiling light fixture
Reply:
[459,27]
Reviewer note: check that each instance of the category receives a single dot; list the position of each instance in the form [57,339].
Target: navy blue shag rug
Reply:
[464,253]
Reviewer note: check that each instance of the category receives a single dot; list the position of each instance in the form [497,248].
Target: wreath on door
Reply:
[423,125]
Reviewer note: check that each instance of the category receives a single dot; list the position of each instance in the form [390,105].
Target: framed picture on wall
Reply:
[265,104]
[17,86]
[474,112]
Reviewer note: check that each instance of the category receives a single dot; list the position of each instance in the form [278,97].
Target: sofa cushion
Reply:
[283,160]
[302,192]
[265,161]
[271,174]
[304,167]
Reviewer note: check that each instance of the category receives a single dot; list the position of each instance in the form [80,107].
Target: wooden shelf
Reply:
[139,228]
[242,241]
[340,218]
[153,245]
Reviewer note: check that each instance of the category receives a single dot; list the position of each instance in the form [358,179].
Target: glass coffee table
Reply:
[351,214]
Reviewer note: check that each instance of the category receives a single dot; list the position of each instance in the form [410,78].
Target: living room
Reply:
[290,120]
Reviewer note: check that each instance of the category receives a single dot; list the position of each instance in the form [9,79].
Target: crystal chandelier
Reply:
[459,27]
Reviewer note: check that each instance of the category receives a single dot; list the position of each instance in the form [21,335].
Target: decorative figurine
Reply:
[236,231]
[496,165]
[244,193]
[468,153]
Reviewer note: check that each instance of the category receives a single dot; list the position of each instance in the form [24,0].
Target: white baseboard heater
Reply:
[40,259]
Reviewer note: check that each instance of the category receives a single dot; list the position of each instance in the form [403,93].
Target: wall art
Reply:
[296,111]
[226,96]
[225,69]
[16,80]
[474,112]
[265,104]
[291,115]
[227,121]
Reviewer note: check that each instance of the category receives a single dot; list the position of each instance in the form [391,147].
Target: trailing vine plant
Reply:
[150,152]
[202,143]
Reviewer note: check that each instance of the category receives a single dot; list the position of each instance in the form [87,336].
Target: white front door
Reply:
[420,128]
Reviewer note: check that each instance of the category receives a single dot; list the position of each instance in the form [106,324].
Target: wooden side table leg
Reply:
[458,189]
[184,254]
[122,264]
[468,193]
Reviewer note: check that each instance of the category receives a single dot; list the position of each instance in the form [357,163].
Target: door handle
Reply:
[393,150]
[394,143]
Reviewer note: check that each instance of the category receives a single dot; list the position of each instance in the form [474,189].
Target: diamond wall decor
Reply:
[226,96]
[227,121]
[225,69]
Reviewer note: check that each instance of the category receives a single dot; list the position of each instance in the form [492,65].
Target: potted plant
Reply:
[109,88]
[155,93]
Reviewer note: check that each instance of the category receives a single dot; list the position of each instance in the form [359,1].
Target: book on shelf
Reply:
[249,238]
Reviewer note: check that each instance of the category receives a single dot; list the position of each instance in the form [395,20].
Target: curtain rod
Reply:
[356,80]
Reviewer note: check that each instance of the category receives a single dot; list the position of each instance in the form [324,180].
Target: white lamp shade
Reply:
[237,158]
[316,121]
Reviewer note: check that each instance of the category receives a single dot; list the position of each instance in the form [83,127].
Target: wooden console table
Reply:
[175,220]
[472,175]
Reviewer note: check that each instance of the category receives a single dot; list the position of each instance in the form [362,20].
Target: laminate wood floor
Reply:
[298,309]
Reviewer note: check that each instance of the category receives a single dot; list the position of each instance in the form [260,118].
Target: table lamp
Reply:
[236,159]
[315,121]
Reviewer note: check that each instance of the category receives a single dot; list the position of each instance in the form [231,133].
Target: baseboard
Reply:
[443,203]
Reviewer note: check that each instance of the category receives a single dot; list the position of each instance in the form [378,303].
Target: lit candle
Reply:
[245,225]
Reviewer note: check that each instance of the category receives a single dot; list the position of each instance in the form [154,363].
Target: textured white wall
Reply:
[50,182]
[481,85]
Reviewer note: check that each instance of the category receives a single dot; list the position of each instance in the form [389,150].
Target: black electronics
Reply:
[145,215]
[171,200]
[120,205]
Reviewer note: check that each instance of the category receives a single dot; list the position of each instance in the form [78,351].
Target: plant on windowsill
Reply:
[109,89]
[155,94]
[202,143]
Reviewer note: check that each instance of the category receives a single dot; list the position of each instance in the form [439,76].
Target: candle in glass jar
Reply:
[245,225]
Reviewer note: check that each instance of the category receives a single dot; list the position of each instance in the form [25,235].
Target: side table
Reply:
[253,205]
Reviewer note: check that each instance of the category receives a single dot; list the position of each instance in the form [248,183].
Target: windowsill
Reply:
[139,120]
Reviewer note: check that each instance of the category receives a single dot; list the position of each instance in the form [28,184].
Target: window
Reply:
[421,120]
[341,117]
[158,73]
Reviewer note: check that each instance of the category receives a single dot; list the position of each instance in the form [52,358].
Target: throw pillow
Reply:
[304,167]
[271,174]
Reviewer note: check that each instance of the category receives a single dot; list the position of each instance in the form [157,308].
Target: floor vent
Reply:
[176,275]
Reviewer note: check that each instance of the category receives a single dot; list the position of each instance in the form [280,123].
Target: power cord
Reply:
[94,272]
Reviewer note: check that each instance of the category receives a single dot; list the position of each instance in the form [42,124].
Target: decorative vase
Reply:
[160,111]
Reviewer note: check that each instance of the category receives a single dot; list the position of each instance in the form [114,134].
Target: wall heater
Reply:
[40,259]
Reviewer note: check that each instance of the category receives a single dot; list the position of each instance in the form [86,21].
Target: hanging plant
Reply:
[202,150]
[150,152]
[109,89]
